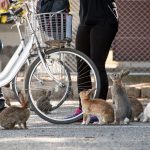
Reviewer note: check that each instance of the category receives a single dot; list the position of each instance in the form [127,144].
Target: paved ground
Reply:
[42,135]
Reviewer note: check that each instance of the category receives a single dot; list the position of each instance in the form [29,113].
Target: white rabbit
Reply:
[146,113]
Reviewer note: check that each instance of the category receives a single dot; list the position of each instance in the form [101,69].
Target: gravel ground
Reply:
[42,135]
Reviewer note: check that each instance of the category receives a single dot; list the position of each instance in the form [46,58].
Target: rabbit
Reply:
[43,103]
[15,115]
[98,107]
[146,113]
[136,107]
[123,112]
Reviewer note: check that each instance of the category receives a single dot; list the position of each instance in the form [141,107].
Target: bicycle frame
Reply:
[16,62]
[21,55]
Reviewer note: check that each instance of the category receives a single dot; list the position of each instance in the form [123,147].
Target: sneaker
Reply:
[93,119]
[2,109]
[2,103]
[76,112]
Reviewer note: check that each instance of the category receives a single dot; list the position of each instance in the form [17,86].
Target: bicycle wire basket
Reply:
[55,28]
[27,30]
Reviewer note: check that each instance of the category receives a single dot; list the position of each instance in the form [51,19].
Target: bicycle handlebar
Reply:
[13,1]
[5,14]
[18,11]
[11,12]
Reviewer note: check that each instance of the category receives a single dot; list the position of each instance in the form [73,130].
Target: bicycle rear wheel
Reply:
[63,64]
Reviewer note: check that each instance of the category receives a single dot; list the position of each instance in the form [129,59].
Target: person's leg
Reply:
[2,101]
[101,38]
[95,42]
[83,45]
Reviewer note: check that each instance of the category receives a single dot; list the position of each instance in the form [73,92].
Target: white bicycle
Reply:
[57,68]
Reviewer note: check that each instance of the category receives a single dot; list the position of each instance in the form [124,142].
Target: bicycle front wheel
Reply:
[71,71]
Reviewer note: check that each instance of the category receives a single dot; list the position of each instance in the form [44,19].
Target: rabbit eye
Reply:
[115,75]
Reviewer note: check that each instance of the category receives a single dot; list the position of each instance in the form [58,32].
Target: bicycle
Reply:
[52,66]
[15,4]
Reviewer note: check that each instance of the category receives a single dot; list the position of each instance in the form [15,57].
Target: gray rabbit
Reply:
[123,112]
[15,115]
[43,103]
[136,107]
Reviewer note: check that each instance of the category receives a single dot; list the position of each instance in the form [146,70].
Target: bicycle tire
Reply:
[14,88]
[29,81]
[16,85]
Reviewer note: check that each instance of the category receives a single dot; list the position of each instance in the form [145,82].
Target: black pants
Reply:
[2,101]
[95,41]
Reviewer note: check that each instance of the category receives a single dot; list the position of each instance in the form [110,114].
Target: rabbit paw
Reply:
[126,121]
[99,123]
[116,122]
[136,119]
[145,119]
[83,123]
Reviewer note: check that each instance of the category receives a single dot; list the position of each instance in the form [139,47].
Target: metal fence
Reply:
[131,47]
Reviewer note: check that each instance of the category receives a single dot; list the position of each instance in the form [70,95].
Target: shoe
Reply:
[2,102]
[93,119]
[79,111]
[76,112]
[2,109]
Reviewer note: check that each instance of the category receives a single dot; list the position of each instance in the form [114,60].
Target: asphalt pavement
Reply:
[42,135]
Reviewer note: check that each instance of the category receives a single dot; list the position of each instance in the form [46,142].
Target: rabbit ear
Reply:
[48,93]
[124,73]
[21,97]
[111,76]
[91,90]
[23,100]
[8,102]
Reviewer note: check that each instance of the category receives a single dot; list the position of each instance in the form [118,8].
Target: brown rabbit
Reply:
[123,112]
[98,107]
[43,103]
[136,107]
[14,115]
